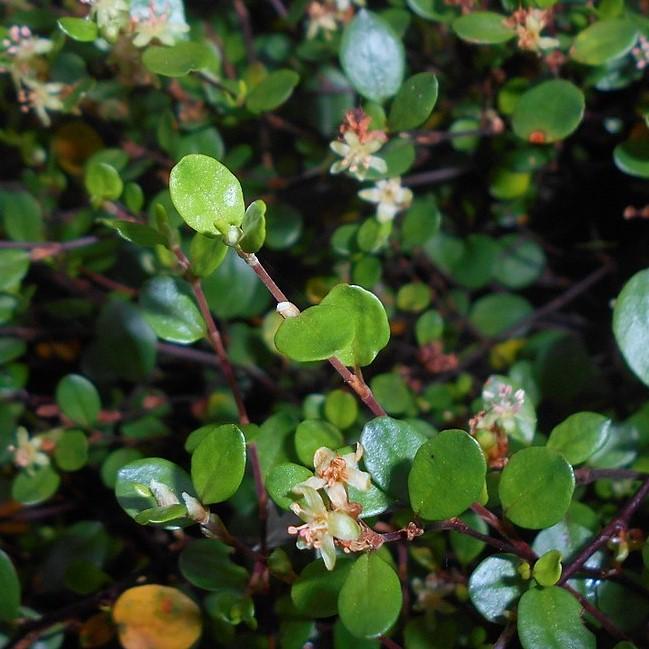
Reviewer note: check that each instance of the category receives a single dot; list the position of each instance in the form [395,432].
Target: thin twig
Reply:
[618,523]
[586,475]
[506,636]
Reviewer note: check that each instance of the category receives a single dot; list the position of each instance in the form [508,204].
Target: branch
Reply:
[356,383]
[618,523]
[506,636]
[586,475]
[43,249]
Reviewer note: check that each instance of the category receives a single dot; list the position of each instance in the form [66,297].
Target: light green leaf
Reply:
[536,487]
[372,56]
[138,233]
[33,487]
[349,323]
[312,434]
[23,216]
[282,479]
[273,91]
[254,227]
[495,313]
[604,41]
[71,452]
[447,475]
[218,463]
[179,59]
[483,28]
[547,570]
[549,112]
[341,408]
[78,399]
[550,618]
[414,102]
[79,29]
[632,156]
[370,599]
[206,252]
[14,265]
[631,324]
[103,182]
[170,311]
[207,196]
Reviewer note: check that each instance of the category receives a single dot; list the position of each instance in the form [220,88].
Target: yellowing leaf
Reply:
[156,617]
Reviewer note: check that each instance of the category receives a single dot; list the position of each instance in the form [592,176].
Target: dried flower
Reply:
[529,23]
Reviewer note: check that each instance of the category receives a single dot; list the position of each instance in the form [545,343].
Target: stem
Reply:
[520,547]
[603,619]
[586,475]
[262,496]
[506,636]
[619,522]
[355,383]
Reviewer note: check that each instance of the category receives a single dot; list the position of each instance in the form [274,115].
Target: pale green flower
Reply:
[321,526]
[26,451]
[41,97]
[110,15]
[153,26]
[357,156]
[389,196]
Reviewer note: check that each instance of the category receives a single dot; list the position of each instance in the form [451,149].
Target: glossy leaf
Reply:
[79,29]
[372,56]
[414,102]
[349,323]
[218,463]
[495,586]
[78,399]
[631,323]
[604,41]
[390,446]
[580,436]
[447,475]
[254,227]
[550,618]
[536,487]
[549,112]
[370,599]
[282,479]
[483,28]
[206,563]
[272,92]
[207,196]
[547,569]
[170,311]
[156,616]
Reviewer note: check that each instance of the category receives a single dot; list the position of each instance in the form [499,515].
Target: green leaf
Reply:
[206,252]
[549,112]
[547,570]
[580,436]
[14,265]
[179,59]
[312,434]
[483,28]
[632,156]
[414,102]
[519,262]
[495,313]
[429,327]
[11,349]
[282,479]
[315,592]
[33,487]
[341,408]
[372,56]
[272,92]
[102,182]
[550,618]
[218,463]
[206,563]
[10,589]
[254,227]
[536,487]
[207,196]
[161,515]
[495,586]
[133,487]
[370,599]
[631,324]
[71,452]
[114,462]
[420,223]
[604,41]
[78,399]
[466,548]
[447,475]
[393,393]
[349,323]
[79,29]
[170,311]
[138,233]
[126,344]
[23,216]
[390,446]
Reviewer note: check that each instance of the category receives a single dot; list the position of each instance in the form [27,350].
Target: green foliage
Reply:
[483,27]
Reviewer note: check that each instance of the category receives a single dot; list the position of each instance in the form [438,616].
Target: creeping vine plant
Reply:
[305,324]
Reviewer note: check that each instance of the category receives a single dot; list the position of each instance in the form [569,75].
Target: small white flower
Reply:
[390,197]
[529,23]
[321,526]
[357,156]
[21,45]
[322,18]
[154,26]
[41,97]
[333,472]
[111,15]
[26,451]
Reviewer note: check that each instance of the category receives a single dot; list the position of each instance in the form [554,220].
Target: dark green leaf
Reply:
[414,102]
[78,399]
[272,92]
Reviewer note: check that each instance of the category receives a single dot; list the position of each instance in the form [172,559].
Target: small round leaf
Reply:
[580,436]
[78,399]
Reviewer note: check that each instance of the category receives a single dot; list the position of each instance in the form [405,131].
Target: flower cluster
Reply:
[111,16]
[326,16]
[334,518]
[390,198]
[358,146]
[529,23]
[156,25]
